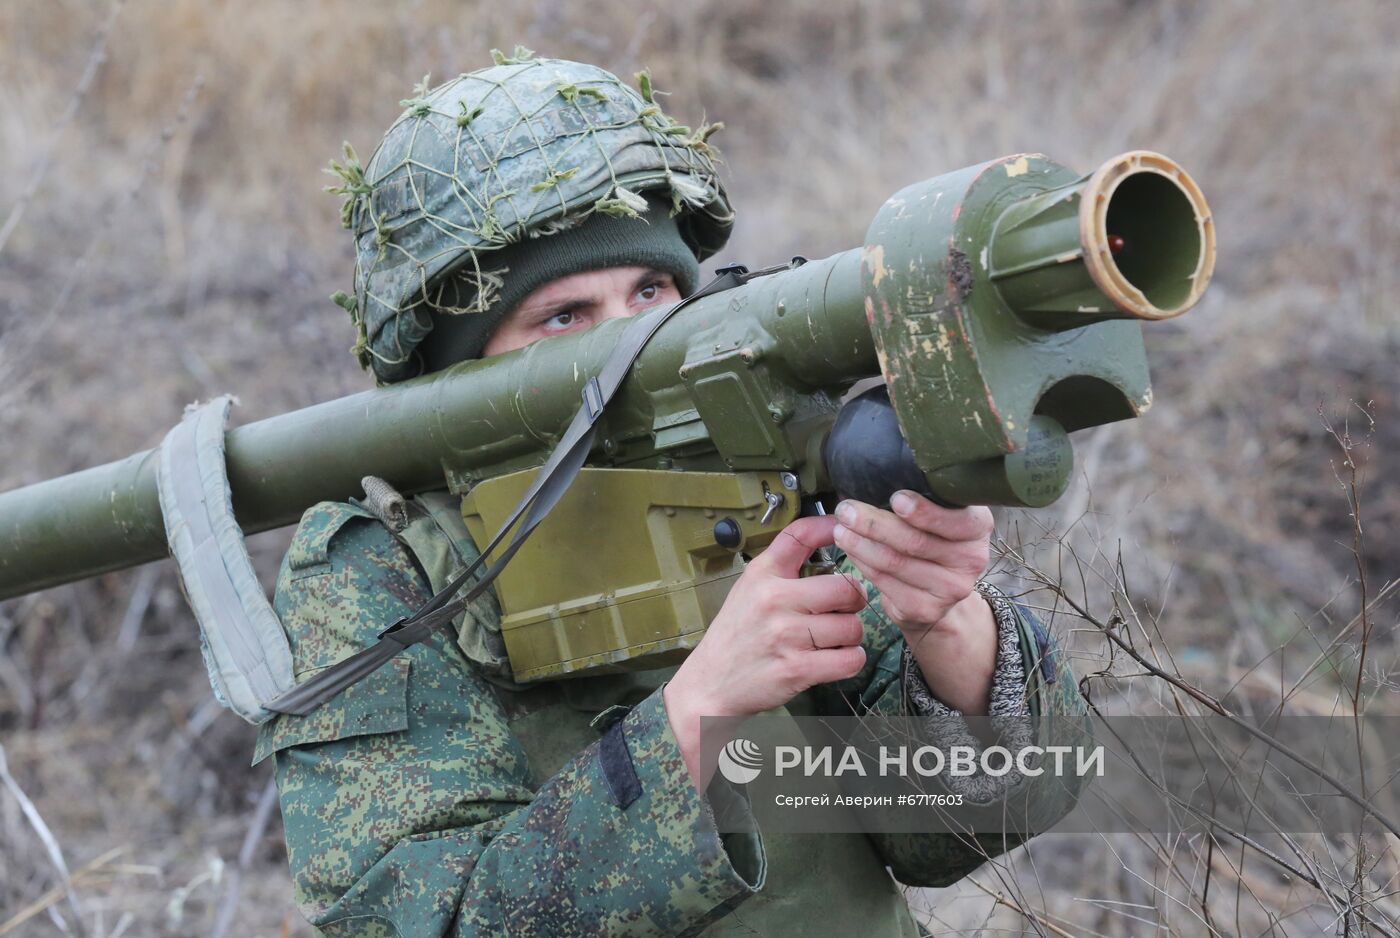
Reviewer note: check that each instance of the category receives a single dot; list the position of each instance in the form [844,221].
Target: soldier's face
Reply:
[578,301]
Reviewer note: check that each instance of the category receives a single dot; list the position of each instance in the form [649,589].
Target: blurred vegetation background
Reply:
[164,237]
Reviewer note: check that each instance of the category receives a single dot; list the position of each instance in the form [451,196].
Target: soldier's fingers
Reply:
[909,605]
[832,630]
[829,592]
[833,664]
[955,524]
[870,556]
[793,545]
[888,528]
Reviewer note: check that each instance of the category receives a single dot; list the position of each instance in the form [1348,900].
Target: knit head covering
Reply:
[596,243]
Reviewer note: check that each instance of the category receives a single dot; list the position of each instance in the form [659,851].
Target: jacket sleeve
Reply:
[409,807]
[1035,701]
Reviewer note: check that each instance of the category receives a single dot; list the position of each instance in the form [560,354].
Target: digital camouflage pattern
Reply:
[496,156]
[434,798]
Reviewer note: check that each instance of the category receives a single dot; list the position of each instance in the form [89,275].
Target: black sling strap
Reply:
[544,493]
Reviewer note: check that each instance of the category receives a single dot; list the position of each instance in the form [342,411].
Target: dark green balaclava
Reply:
[596,243]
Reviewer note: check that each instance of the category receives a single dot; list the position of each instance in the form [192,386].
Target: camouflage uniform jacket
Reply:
[436,797]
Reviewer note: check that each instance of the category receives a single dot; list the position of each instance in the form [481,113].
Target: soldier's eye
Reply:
[561,320]
[651,291]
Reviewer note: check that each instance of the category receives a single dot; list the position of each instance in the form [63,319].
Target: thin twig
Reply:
[1110,632]
[35,327]
[41,168]
[136,609]
[1028,914]
[1351,486]
[262,814]
[56,893]
[46,837]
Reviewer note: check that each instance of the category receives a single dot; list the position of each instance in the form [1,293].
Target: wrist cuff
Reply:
[1009,710]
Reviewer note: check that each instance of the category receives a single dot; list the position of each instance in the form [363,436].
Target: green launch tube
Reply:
[985,298]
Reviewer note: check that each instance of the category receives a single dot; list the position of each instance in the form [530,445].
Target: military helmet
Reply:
[522,149]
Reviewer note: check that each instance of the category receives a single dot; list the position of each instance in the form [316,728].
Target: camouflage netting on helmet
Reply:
[522,149]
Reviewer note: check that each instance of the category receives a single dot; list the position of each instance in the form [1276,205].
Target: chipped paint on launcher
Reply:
[880,357]
[1018,167]
[945,342]
[874,260]
[886,316]
[999,423]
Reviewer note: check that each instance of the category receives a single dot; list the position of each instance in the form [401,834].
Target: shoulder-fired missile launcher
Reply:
[1001,304]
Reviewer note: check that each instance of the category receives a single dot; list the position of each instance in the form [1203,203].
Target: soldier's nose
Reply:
[614,308]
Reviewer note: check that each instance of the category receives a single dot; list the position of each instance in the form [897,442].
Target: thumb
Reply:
[793,545]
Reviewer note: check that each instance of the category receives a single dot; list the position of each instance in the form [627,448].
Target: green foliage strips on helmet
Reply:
[519,150]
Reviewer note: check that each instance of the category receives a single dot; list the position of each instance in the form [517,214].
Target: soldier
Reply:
[439,797]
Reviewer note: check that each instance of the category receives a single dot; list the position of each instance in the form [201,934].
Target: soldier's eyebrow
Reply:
[649,276]
[575,304]
[571,305]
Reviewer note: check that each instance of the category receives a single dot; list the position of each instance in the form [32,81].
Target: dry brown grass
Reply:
[179,245]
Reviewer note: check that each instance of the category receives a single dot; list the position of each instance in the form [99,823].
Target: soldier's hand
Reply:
[922,557]
[926,560]
[776,635]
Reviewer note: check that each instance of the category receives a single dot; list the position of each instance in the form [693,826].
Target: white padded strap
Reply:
[245,647]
